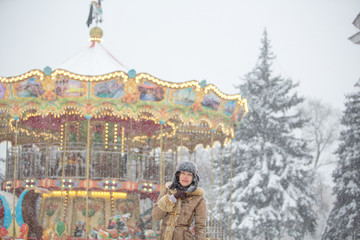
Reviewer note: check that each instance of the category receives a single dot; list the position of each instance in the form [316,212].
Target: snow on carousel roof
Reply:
[94,60]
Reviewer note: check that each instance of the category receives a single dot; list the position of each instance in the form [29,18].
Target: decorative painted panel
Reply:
[211,101]
[110,89]
[150,92]
[30,88]
[184,97]
[66,87]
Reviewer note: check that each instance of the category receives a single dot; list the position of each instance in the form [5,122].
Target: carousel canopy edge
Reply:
[128,87]
[108,76]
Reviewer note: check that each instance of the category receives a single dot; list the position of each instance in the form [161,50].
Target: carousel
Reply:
[89,145]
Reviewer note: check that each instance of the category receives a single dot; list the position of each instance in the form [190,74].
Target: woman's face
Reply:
[185,178]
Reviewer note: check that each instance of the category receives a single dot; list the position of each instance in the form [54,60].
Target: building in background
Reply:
[356,37]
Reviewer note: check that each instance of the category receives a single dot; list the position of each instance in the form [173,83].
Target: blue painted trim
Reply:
[18,210]
[7,212]
[88,117]
[131,73]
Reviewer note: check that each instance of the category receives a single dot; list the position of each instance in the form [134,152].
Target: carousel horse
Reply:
[150,234]
[79,230]
[95,13]
[116,229]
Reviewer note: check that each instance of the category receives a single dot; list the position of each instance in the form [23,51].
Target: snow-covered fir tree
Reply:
[222,177]
[272,195]
[344,219]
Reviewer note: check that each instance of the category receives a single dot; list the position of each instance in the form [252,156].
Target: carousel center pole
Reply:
[181,146]
[195,155]
[121,163]
[231,190]
[63,168]
[221,183]
[164,157]
[129,148]
[212,185]
[87,176]
[176,158]
[161,180]
[7,155]
[15,166]
[48,143]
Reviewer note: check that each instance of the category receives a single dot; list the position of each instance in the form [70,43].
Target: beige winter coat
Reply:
[177,217]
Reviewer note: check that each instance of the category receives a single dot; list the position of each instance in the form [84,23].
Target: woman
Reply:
[180,204]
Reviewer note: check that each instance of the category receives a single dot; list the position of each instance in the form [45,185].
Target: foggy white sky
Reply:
[193,39]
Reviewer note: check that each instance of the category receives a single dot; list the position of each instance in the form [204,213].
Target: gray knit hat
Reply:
[186,166]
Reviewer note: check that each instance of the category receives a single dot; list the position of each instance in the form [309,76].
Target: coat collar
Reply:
[198,192]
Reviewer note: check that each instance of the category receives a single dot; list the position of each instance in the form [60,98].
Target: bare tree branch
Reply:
[323,127]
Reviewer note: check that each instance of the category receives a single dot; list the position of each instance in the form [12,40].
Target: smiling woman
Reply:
[185,178]
[182,205]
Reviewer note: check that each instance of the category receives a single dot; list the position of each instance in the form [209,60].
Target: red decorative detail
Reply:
[3,232]
[49,95]
[2,213]
[16,108]
[128,98]
[162,113]
[89,108]
[196,107]
[24,230]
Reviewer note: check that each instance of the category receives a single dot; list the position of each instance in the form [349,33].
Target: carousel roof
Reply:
[92,61]
[95,85]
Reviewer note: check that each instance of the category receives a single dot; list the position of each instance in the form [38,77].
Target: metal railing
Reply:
[47,161]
